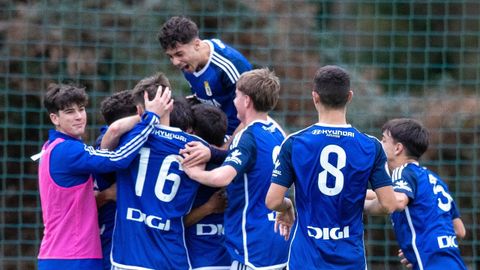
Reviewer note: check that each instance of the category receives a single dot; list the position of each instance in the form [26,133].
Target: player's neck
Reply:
[332,117]
[165,120]
[254,116]
[400,161]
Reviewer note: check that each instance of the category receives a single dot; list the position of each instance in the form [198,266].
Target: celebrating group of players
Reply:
[211,181]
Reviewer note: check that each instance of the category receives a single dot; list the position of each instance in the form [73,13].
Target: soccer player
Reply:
[114,107]
[205,234]
[71,235]
[246,172]
[428,223]
[154,194]
[330,163]
[211,67]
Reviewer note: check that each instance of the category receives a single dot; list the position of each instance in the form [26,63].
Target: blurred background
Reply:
[407,59]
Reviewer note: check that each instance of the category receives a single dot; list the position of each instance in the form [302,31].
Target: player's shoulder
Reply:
[174,134]
[406,171]
[221,47]
[226,53]
[305,132]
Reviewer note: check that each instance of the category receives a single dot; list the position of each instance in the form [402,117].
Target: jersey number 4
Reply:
[162,177]
[334,170]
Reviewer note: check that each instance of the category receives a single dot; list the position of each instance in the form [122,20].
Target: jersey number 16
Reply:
[162,177]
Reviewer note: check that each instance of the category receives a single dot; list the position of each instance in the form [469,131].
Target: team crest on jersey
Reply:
[208,90]
[402,185]
[234,157]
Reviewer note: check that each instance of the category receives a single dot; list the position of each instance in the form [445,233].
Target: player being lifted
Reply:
[428,223]
[249,234]
[211,67]
[330,163]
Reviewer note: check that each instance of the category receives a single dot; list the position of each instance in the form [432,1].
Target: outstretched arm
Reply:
[116,130]
[277,201]
[219,177]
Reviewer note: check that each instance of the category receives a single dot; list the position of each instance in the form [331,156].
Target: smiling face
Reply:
[71,120]
[186,57]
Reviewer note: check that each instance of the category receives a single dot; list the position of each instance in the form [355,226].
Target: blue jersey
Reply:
[424,230]
[249,224]
[106,213]
[331,167]
[216,82]
[206,238]
[153,195]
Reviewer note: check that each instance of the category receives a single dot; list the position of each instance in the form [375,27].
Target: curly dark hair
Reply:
[210,123]
[118,105]
[61,96]
[177,30]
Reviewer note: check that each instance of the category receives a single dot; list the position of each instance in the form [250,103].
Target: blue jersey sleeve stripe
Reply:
[126,149]
[140,138]
[231,72]
[137,141]
[228,63]
[134,147]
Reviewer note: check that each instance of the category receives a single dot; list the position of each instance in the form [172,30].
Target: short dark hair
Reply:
[118,105]
[409,132]
[210,123]
[181,115]
[177,30]
[262,86]
[149,84]
[332,84]
[61,96]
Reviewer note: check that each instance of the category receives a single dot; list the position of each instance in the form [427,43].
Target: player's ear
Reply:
[54,119]
[196,43]
[247,101]
[350,96]
[398,148]
[140,110]
[315,97]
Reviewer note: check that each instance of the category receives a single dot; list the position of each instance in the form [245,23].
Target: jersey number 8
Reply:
[334,170]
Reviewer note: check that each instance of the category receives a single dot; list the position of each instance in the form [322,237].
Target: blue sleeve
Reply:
[406,183]
[283,173]
[379,177]
[217,155]
[242,153]
[73,158]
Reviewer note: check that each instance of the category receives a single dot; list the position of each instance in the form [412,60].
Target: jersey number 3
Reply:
[162,177]
[440,191]
[334,170]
